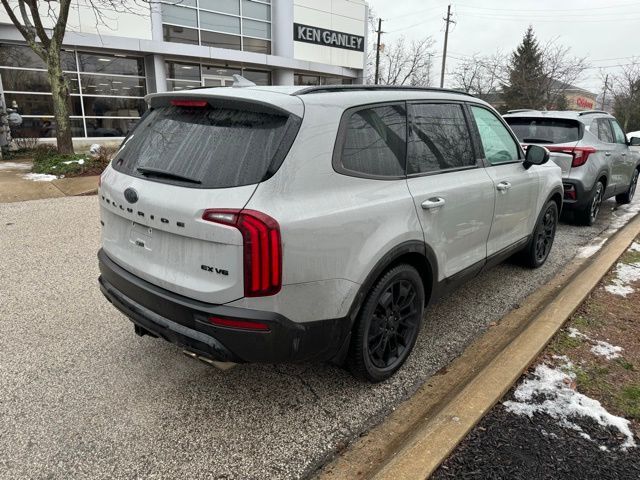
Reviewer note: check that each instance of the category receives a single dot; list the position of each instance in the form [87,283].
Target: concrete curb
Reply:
[423,431]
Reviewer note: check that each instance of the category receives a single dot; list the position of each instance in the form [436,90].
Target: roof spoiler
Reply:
[588,112]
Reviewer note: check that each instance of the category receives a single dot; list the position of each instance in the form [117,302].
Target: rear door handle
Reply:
[435,202]
[624,154]
[503,186]
[607,154]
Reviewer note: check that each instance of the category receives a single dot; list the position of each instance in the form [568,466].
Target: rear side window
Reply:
[439,138]
[207,147]
[545,130]
[374,141]
[603,130]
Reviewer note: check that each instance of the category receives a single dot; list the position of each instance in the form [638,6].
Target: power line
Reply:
[570,10]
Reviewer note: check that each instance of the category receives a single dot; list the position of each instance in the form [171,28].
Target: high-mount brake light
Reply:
[262,248]
[189,103]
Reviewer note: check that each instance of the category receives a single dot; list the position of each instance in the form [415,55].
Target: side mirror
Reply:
[536,155]
[634,142]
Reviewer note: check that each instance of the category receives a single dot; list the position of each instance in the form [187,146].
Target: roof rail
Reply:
[347,88]
[589,112]
[518,110]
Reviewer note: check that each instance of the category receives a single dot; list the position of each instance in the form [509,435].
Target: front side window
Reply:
[439,138]
[375,141]
[619,134]
[498,144]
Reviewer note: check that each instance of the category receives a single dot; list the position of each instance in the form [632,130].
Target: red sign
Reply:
[584,102]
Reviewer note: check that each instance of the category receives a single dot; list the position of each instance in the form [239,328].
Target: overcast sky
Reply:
[607,32]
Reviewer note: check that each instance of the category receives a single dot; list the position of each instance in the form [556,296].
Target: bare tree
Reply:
[625,87]
[561,71]
[406,63]
[481,74]
[43,25]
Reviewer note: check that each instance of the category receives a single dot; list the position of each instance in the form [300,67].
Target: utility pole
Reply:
[604,93]
[446,39]
[379,32]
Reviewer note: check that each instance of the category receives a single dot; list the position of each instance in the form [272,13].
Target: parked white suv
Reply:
[271,224]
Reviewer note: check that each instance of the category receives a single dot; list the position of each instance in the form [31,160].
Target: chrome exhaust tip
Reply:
[224,366]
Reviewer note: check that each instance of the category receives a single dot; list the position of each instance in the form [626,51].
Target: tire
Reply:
[389,321]
[587,216]
[537,251]
[627,197]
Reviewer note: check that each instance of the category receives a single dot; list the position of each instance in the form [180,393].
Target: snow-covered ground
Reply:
[14,166]
[39,177]
[599,347]
[551,391]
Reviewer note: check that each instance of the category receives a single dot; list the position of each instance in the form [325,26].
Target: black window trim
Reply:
[476,133]
[336,161]
[465,113]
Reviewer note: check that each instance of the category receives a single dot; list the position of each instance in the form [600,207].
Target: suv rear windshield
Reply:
[545,130]
[207,147]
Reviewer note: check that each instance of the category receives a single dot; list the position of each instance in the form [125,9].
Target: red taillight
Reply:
[239,324]
[189,103]
[580,154]
[262,248]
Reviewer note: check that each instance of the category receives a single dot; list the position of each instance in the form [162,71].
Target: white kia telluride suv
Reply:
[272,224]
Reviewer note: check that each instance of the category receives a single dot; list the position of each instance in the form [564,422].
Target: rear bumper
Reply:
[184,322]
[583,195]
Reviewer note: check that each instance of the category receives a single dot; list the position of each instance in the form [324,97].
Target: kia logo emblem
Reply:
[131,195]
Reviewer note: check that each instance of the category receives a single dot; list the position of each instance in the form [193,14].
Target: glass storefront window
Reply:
[33,81]
[219,23]
[300,79]
[213,70]
[111,64]
[23,57]
[225,6]
[45,127]
[256,45]
[29,104]
[254,28]
[113,107]
[109,127]
[177,85]
[256,10]
[110,85]
[175,34]
[179,15]
[257,77]
[183,71]
[220,40]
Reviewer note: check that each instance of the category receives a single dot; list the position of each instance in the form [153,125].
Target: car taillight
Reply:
[580,154]
[239,324]
[262,248]
[189,103]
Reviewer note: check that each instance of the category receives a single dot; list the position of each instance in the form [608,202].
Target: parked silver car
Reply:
[602,166]
[272,224]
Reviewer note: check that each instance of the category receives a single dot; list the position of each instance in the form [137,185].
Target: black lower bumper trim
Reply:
[183,321]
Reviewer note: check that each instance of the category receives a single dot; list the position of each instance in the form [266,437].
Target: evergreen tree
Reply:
[526,86]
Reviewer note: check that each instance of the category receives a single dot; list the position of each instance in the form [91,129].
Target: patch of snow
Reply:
[79,162]
[563,403]
[635,247]
[39,177]
[604,448]
[625,275]
[606,350]
[600,348]
[621,217]
[14,166]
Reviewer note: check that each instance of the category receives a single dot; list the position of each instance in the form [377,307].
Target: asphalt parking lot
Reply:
[81,396]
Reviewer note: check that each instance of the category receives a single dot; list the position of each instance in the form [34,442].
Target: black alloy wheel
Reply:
[388,324]
[541,242]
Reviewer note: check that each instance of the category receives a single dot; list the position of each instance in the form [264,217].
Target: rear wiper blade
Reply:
[536,140]
[163,173]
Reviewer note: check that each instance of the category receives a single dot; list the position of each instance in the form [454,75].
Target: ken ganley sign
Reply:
[328,38]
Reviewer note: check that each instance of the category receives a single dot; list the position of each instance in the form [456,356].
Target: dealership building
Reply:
[114,59]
